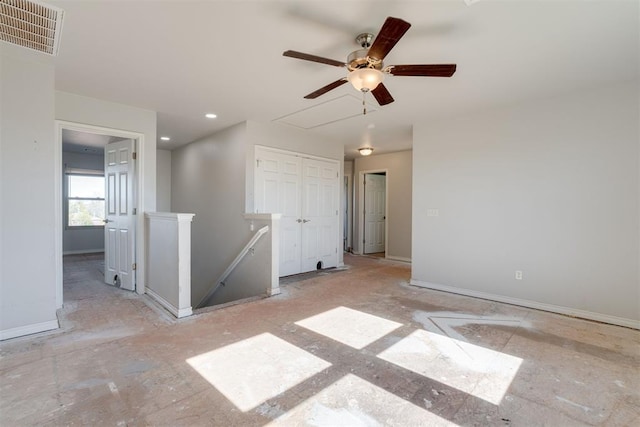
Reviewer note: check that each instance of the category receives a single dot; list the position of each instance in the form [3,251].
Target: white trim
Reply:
[78,171]
[184,312]
[398,258]
[573,312]
[83,251]
[170,216]
[262,216]
[361,236]
[58,226]
[139,204]
[28,330]
[294,153]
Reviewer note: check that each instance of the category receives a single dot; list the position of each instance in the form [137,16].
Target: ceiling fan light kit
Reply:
[365,67]
[365,79]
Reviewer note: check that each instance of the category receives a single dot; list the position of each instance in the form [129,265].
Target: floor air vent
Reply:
[31,24]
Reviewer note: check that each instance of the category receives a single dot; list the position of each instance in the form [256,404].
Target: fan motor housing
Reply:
[360,59]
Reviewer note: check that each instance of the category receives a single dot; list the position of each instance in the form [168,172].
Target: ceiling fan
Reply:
[365,66]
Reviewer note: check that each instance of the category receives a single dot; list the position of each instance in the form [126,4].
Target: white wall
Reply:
[550,188]
[398,166]
[163,181]
[80,239]
[90,111]
[27,194]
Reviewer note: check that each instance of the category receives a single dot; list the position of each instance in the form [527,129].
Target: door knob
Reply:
[298,220]
[105,221]
[306,220]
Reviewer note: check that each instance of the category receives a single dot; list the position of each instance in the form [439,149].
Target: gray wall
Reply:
[398,166]
[550,188]
[163,181]
[27,194]
[78,239]
[208,180]
[213,178]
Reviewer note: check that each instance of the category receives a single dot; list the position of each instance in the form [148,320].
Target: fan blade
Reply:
[313,58]
[327,88]
[382,95]
[392,30]
[438,70]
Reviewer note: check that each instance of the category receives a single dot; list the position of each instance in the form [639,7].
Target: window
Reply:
[85,200]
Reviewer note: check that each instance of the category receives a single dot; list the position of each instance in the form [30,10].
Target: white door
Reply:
[119,227]
[305,192]
[278,189]
[320,222]
[374,212]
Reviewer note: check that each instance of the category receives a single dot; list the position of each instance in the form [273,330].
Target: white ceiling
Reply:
[185,58]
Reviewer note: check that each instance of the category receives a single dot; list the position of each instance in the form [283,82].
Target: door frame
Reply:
[361,175]
[138,198]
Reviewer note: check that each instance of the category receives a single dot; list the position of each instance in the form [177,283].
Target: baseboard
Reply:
[573,312]
[398,258]
[28,330]
[83,251]
[177,312]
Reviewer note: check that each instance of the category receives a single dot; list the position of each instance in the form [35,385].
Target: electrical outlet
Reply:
[518,275]
[432,212]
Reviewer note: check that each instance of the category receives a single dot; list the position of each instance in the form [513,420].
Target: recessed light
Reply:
[210,116]
[165,138]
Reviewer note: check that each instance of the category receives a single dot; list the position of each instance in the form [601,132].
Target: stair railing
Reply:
[221,280]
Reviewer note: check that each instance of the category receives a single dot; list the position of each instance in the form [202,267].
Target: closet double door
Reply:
[306,192]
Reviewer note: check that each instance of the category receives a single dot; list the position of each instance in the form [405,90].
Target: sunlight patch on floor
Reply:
[352,401]
[484,373]
[251,371]
[351,327]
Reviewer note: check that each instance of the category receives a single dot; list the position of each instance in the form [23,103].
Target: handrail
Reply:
[233,265]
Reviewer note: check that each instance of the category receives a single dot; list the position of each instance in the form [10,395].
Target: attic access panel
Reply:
[334,110]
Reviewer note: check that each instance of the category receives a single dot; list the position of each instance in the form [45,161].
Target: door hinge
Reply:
[336,211]
[135,155]
[257,163]
[337,174]
[135,211]
[134,266]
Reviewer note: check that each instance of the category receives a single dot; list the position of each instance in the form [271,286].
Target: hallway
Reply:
[351,347]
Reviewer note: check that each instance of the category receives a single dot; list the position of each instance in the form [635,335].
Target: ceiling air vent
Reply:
[31,24]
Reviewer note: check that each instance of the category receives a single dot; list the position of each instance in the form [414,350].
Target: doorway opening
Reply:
[373,212]
[87,192]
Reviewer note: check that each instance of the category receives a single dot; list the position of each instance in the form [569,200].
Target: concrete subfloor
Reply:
[352,347]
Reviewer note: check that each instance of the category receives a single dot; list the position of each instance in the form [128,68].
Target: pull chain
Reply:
[364,106]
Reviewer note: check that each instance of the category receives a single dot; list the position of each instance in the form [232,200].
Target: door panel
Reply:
[375,213]
[305,192]
[277,190]
[120,220]
[320,214]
